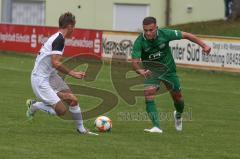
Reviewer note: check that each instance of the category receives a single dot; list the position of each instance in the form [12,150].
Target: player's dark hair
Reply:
[149,20]
[66,19]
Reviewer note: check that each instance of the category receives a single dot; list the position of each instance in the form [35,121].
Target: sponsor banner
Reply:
[29,39]
[225,53]
[118,45]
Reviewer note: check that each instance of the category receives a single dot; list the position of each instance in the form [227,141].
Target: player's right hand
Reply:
[144,73]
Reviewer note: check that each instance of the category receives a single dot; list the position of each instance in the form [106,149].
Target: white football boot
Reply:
[178,122]
[153,130]
[86,132]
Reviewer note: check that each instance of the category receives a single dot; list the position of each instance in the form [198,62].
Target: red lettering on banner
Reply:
[29,39]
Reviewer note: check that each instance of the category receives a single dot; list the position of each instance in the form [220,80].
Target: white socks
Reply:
[75,110]
[77,117]
[41,106]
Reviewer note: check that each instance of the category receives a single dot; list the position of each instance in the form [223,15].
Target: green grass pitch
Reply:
[211,131]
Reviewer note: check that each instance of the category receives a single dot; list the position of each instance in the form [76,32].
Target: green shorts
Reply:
[170,80]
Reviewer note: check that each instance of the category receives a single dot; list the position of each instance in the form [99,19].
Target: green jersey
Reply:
[157,50]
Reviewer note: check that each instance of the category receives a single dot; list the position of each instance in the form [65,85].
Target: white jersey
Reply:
[43,65]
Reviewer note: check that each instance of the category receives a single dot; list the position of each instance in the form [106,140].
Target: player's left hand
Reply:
[206,49]
[78,75]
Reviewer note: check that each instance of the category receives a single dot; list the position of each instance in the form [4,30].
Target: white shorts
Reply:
[46,89]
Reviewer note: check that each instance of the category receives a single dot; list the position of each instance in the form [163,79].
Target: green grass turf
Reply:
[212,133]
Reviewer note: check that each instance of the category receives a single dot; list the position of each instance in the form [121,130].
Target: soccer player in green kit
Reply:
[152,48]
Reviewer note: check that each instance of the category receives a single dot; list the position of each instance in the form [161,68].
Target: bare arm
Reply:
[139,70]
[60,67]
[196,40]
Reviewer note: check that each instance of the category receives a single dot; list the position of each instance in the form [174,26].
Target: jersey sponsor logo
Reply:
[154,56]
[176,32]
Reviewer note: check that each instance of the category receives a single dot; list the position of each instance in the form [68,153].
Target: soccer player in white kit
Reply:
[47,85]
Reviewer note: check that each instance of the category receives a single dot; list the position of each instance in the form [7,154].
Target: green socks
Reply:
[152,113]
[179,108]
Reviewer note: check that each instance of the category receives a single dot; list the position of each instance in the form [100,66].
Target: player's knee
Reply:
[73,103]
[177,97]
[71,99]
[149,92]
